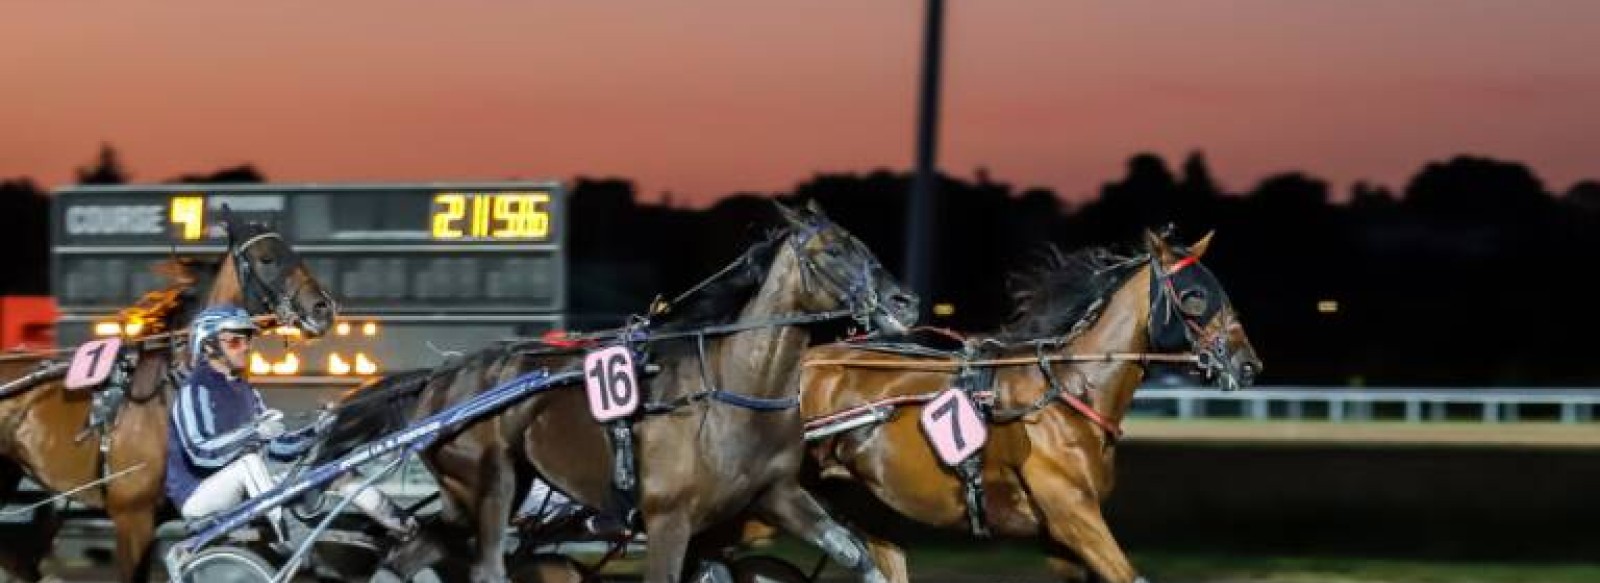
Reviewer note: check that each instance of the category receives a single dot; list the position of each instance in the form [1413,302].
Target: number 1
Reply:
[598,371]
[98,351]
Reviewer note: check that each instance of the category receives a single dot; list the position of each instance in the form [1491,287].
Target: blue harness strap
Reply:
[755,403]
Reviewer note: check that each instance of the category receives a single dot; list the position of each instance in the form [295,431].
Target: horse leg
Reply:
[889,558]
[1072,517]
[22,561]
[669,541]
[491,513]
[793,509]
[135,533]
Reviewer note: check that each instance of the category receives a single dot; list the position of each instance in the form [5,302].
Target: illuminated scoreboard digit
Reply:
[491,216]
[446,266]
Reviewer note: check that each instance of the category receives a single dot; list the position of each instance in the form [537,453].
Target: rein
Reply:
[957,362]
[940,366]
[637,332]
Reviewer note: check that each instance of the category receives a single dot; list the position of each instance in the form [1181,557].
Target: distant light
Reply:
[369,329]
[1328,306]
[286,331]
[337,366]
[365,366]
[259,365]
[107,329]
[945,309]
[133,327]
[343,329]
[289,365]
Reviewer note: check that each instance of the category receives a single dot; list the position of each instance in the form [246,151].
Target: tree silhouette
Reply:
[26,241]
[1365,196]
[1476,188]
[241,174]
[106,168]
[1585,195]
[1443,286]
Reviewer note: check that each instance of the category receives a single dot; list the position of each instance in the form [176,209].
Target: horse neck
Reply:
[1121,328]
[759,361]
[225,288]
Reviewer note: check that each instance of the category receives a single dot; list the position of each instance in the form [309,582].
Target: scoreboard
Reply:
[417,269]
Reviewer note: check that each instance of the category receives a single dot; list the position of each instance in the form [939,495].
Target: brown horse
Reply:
[40,426]
[729,440]
[1093,320]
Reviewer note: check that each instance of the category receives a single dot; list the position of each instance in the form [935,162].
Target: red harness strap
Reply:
[1112,429]
[559,339]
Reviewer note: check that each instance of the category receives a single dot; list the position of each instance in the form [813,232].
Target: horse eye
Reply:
[1193,302]
[268,260]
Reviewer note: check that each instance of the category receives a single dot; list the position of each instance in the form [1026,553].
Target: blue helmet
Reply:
[211,321]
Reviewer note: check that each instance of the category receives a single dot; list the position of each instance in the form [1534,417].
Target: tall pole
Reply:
[920,213]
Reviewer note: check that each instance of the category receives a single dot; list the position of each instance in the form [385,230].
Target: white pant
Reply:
[247,477]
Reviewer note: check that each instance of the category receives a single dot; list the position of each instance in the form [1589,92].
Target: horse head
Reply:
[1190,312]
[273,279]
[839,272]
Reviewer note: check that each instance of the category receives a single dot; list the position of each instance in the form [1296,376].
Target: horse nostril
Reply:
[321,308]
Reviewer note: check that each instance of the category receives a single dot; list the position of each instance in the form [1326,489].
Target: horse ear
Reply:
[1158,247]
[815,208]
[1199,247]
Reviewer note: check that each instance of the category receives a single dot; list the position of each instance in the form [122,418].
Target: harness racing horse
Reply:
[1054,384]
[719,433]
[41,422]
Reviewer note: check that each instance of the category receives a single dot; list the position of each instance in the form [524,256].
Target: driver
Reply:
[220,427]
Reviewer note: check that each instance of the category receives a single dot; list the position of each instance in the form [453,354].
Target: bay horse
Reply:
[1063,375]
[40,425]
[723,438]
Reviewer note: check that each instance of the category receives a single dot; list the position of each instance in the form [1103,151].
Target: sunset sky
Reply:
[706,97]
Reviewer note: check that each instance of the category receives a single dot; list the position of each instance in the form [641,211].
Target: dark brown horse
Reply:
[712,455]
[1063,375]
[40,426]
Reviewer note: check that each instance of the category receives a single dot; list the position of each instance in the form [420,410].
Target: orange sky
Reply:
[705,97]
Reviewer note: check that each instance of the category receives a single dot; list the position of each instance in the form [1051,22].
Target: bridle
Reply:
[1173,328]
[269,295]
[854,290]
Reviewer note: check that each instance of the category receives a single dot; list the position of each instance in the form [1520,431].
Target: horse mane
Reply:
[1066,291]
[724,297]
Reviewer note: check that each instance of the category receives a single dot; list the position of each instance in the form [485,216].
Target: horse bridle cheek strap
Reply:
[1170,328]
[858,295]
[261,293]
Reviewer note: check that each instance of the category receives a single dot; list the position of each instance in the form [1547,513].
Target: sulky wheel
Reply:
[759,569]
[425,575]
[227,564]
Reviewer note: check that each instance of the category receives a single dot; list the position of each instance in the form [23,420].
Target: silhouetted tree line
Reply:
[1474,273]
